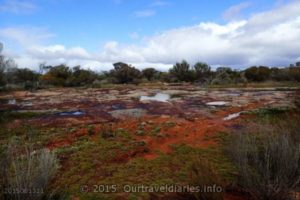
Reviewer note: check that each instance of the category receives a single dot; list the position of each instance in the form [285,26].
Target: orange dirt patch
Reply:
[181,132]
[195,133]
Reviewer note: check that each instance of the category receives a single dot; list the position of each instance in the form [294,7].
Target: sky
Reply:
[150,33]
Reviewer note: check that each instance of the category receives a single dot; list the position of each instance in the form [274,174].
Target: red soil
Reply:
[194,132]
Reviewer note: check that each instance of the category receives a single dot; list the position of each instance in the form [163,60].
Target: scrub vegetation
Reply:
[71,133]
[12,77]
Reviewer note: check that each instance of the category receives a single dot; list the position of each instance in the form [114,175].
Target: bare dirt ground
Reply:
[190,116]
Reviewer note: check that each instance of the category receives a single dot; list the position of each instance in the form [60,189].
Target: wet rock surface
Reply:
[100,105]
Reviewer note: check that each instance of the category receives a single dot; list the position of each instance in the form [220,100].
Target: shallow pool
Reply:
[157,97]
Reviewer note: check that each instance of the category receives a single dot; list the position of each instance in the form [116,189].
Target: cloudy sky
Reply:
[154,33]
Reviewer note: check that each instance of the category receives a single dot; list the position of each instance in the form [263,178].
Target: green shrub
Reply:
[149,73]
[124,73]
[204,175]
[258,74]
[25,172]
[107,131]
[182,71]
[268,160]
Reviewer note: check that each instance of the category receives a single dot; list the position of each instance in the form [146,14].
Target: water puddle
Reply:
[232,116]
[117,106]
[12,102]
[235,94]
[72,113]
[217,103]
[157,97]
[27,104]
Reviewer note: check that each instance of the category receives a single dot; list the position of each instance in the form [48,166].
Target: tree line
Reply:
[123,73]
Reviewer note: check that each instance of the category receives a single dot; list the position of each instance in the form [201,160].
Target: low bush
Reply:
[268,160]
[204,175]
[107,131]
[26,173]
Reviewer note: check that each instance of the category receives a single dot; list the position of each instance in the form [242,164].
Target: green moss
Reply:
[156,130]
[169,124]
[140,132]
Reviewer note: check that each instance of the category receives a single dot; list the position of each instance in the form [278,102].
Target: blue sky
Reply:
[100,32]
[92,23]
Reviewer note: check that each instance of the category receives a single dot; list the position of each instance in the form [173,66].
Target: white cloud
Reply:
[271,38]
[144,13]
[58,51]
[25,36]
[235,11]
[266,38]
[18,7]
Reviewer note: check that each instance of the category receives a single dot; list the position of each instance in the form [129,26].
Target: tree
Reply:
[57,75]
[181,71]
[2,66]
[278,74]
[225,75]
[222,76]
[294,73]
[124,73]
[2,69]
[9,73]
[81,77]
[25,75]
[202,71]
[10,69]
[149,73]
[258,74]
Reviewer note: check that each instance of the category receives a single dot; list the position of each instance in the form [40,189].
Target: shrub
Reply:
[268,161]
[258,74]
[225,75]
[107,131]
[182,71]
[294,73]
[57,75]
[280,74]
[124,73]
[25,172]
[81,77]
[204,175]
[149,73]
[20,76]
[202,72]
[2,68]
